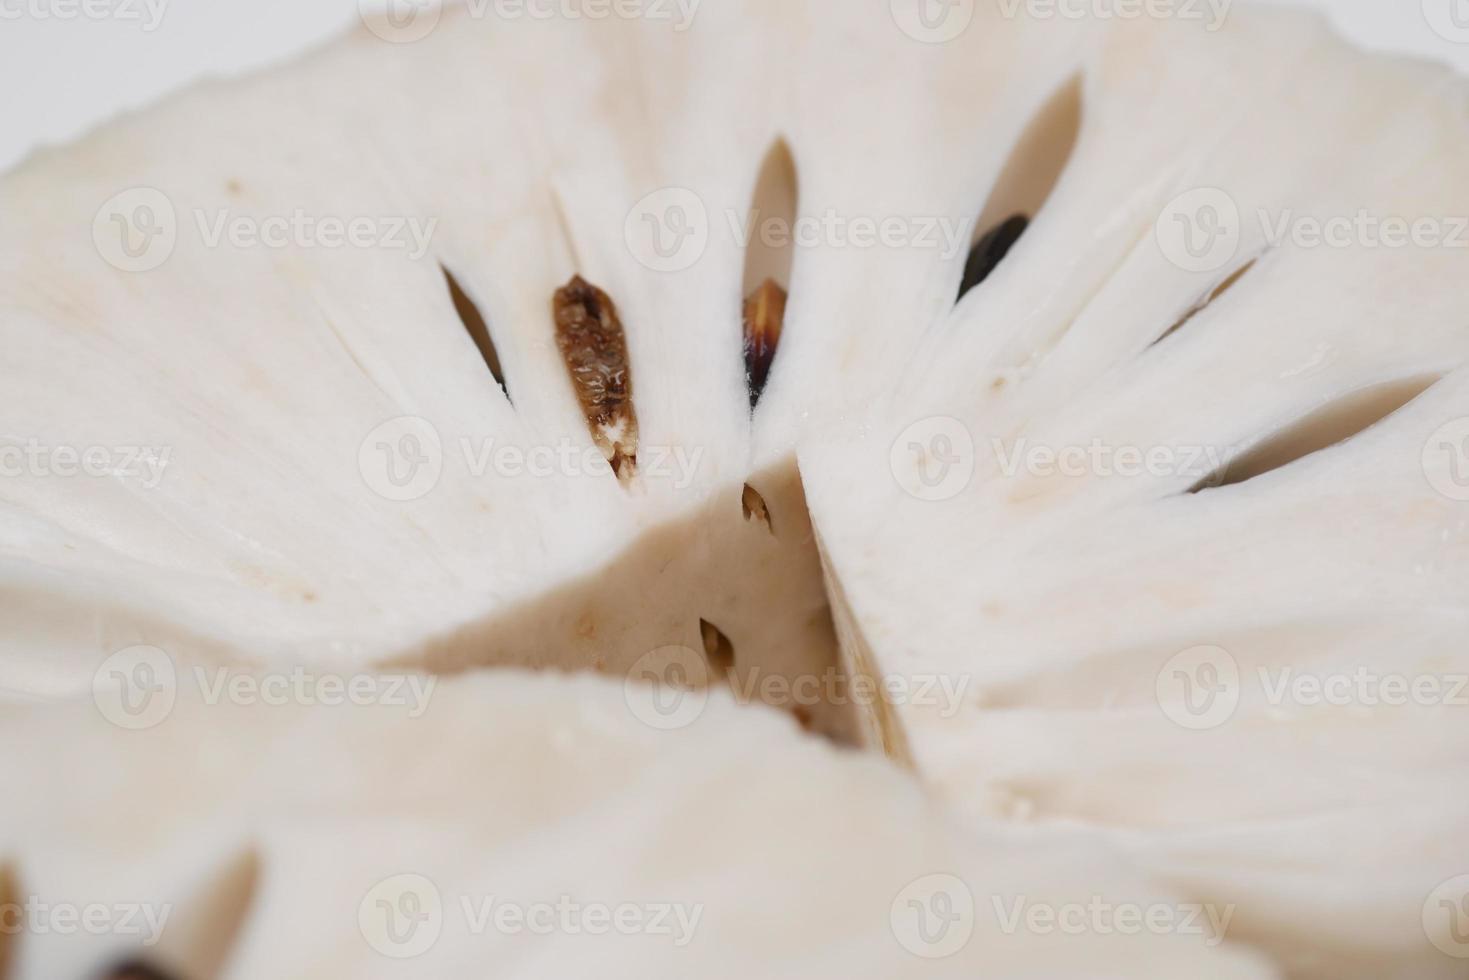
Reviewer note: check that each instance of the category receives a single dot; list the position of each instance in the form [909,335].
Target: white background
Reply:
[60,78]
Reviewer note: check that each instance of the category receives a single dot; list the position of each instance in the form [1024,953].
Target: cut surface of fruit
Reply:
[477,838]
[1191,530]
[548,417]
[644,355]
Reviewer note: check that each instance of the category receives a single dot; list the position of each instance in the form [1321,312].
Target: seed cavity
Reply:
[594,347]
[717,648]
[1208,300]
[1026,182]
[222,910]
[769,261]
[764,315]
[754,507]
[476,326]
[1343,419]
[775,205]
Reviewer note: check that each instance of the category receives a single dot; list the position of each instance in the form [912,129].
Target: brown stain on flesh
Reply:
[590,336]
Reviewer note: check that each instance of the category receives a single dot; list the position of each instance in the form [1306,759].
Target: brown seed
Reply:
[765,313]
[594,347]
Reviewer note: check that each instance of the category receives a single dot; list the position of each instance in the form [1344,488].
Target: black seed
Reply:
[991,250]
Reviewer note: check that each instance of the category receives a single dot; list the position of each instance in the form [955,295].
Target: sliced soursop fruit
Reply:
[364,512]
[520,826]
[1192,528]
[566,407]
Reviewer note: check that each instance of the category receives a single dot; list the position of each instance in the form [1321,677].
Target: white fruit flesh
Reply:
[264,541]
[1056,601]
[1061,597]
[264,832]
